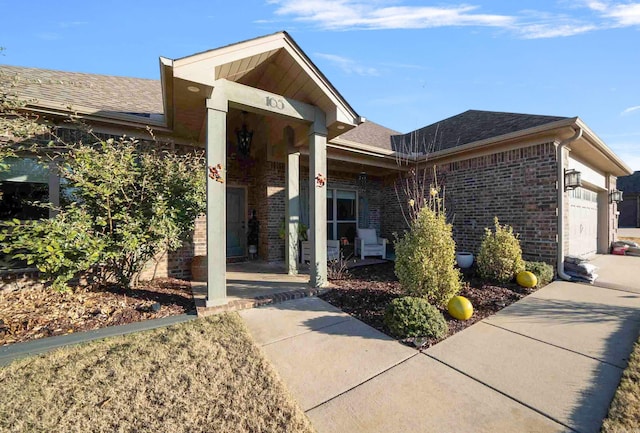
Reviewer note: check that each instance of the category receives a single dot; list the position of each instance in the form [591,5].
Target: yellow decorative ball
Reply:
[460,308]
[527,279]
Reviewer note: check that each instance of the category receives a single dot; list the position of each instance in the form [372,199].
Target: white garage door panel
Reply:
[583,222]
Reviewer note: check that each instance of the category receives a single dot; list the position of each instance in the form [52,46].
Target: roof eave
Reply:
[61,110]
[598,144]
[501,139]
[166,83]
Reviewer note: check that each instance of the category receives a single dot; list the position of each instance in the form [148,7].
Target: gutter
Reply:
[560,159]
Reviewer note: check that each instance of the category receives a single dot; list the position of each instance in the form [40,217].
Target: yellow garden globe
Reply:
[527,279]
[460,308]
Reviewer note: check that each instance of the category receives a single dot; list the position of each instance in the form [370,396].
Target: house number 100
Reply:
[275,103]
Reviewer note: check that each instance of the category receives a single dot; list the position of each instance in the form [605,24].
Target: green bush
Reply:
[125,203]
[415,317]
[500,257]
[425,259]
[543,271]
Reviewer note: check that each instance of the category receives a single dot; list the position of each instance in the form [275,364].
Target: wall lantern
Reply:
[362,181]
[615,196]
[572,179]
[244,137]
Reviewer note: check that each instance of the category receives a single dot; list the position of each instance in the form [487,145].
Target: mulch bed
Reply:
[365,292]
[35,311]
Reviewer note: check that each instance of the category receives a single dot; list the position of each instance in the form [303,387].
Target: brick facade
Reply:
[518,186]
[265,183]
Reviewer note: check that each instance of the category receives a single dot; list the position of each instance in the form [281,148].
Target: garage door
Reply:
[583,222]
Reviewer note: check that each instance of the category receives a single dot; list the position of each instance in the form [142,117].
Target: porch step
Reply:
[243,304]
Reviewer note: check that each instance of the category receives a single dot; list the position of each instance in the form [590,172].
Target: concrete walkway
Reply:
[549,363]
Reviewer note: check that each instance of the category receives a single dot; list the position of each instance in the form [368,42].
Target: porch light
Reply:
[362,181]
[244,137]
[572,179]
[615,196]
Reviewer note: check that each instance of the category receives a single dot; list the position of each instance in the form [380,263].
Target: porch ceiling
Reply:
[272,63]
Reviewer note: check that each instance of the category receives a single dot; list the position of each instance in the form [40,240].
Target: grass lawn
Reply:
[206,375]
[627,238]
[624,413]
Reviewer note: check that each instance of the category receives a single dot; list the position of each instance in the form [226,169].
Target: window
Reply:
[342,214]
[22,182]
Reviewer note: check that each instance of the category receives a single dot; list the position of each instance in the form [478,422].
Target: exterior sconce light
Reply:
[244,137]
[362,181]
[572,179]
[615,196]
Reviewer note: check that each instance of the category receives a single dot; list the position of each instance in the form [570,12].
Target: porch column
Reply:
[216,153]
[318,200]
[292,204]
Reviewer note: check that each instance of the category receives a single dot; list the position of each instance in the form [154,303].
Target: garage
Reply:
[583,222]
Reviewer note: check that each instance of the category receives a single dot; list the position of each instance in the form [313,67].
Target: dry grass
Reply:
[627,238]
[202,376]
[624,413]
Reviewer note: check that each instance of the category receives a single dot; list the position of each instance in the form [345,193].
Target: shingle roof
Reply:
[629,183]
[467,127]
[370,133]
[100,92]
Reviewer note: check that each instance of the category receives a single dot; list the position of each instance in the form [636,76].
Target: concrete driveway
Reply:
[549,363]
[618,272]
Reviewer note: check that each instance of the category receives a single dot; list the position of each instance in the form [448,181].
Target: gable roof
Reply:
[468,127]
[629,184]
[273,63]
[86,93]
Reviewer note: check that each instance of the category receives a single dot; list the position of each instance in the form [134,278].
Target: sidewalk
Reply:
[549,363]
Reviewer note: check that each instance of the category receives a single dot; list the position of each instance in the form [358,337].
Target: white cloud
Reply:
[622,14]
[349,66]
[392,14]
[357,14]
[551,30]
[630,110]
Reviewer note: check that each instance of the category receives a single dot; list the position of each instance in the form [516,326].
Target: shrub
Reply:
[126,203]
[543,271]
[415,317]
[500,257]
[425,259]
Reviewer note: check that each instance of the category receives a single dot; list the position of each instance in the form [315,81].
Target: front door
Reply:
[236,227]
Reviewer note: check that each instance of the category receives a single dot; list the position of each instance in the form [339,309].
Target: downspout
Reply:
[560,160]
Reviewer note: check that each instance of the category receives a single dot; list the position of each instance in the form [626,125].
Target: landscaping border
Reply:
[15,351]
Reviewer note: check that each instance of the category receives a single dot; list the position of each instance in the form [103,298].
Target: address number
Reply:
[275,103]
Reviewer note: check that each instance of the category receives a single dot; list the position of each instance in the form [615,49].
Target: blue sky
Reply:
[402,63]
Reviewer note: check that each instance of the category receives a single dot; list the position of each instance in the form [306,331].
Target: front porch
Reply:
[255,283]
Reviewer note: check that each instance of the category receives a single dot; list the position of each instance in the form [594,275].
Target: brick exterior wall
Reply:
[266,194]
[518,186]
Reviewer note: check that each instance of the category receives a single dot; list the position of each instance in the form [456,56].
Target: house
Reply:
[521,168]
[630,205]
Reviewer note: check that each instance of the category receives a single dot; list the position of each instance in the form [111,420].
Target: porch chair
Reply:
[333,250]
[368,244]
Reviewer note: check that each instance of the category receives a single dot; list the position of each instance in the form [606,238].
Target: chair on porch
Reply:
[369,244]
[333,250]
